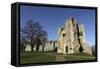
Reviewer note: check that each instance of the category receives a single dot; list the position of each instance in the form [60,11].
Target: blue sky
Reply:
[52,18]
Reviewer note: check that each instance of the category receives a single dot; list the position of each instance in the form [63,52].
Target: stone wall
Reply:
[71,38]
[50,46]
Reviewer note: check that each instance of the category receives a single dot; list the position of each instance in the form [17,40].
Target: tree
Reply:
[28,31]
[22,42]
[43,39]
[34,34]
[40,36]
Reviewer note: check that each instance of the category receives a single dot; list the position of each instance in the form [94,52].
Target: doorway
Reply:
[66,48]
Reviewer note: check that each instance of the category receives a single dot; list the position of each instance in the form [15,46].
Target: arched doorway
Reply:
[66,49]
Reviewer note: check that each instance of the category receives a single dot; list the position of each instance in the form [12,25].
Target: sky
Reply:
[52,18]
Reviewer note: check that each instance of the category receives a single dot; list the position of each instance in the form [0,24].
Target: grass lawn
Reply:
[38,57]
[79,57]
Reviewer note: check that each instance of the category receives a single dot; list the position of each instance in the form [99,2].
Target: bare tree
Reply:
[43,39]
[34,34]
[22,42]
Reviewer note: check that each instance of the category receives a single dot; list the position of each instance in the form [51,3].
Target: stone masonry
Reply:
[71,38]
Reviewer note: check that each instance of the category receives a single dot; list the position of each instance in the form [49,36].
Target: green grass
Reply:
[38,57]
[78,57]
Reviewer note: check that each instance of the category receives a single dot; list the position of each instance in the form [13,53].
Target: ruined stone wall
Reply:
[86,48]
[73,39]
[50,46]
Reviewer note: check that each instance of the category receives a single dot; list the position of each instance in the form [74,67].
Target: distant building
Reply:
[71,38]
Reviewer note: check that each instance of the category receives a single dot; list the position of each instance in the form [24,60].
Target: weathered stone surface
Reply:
[71,38]
[50,46]
[27,47]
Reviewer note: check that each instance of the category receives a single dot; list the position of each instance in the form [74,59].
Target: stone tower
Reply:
[71,38]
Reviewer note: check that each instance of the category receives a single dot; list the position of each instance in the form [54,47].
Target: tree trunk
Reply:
[31,47]
[38,44]
[37,47]
[43,48]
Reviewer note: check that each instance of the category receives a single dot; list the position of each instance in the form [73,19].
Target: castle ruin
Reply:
[71,38]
